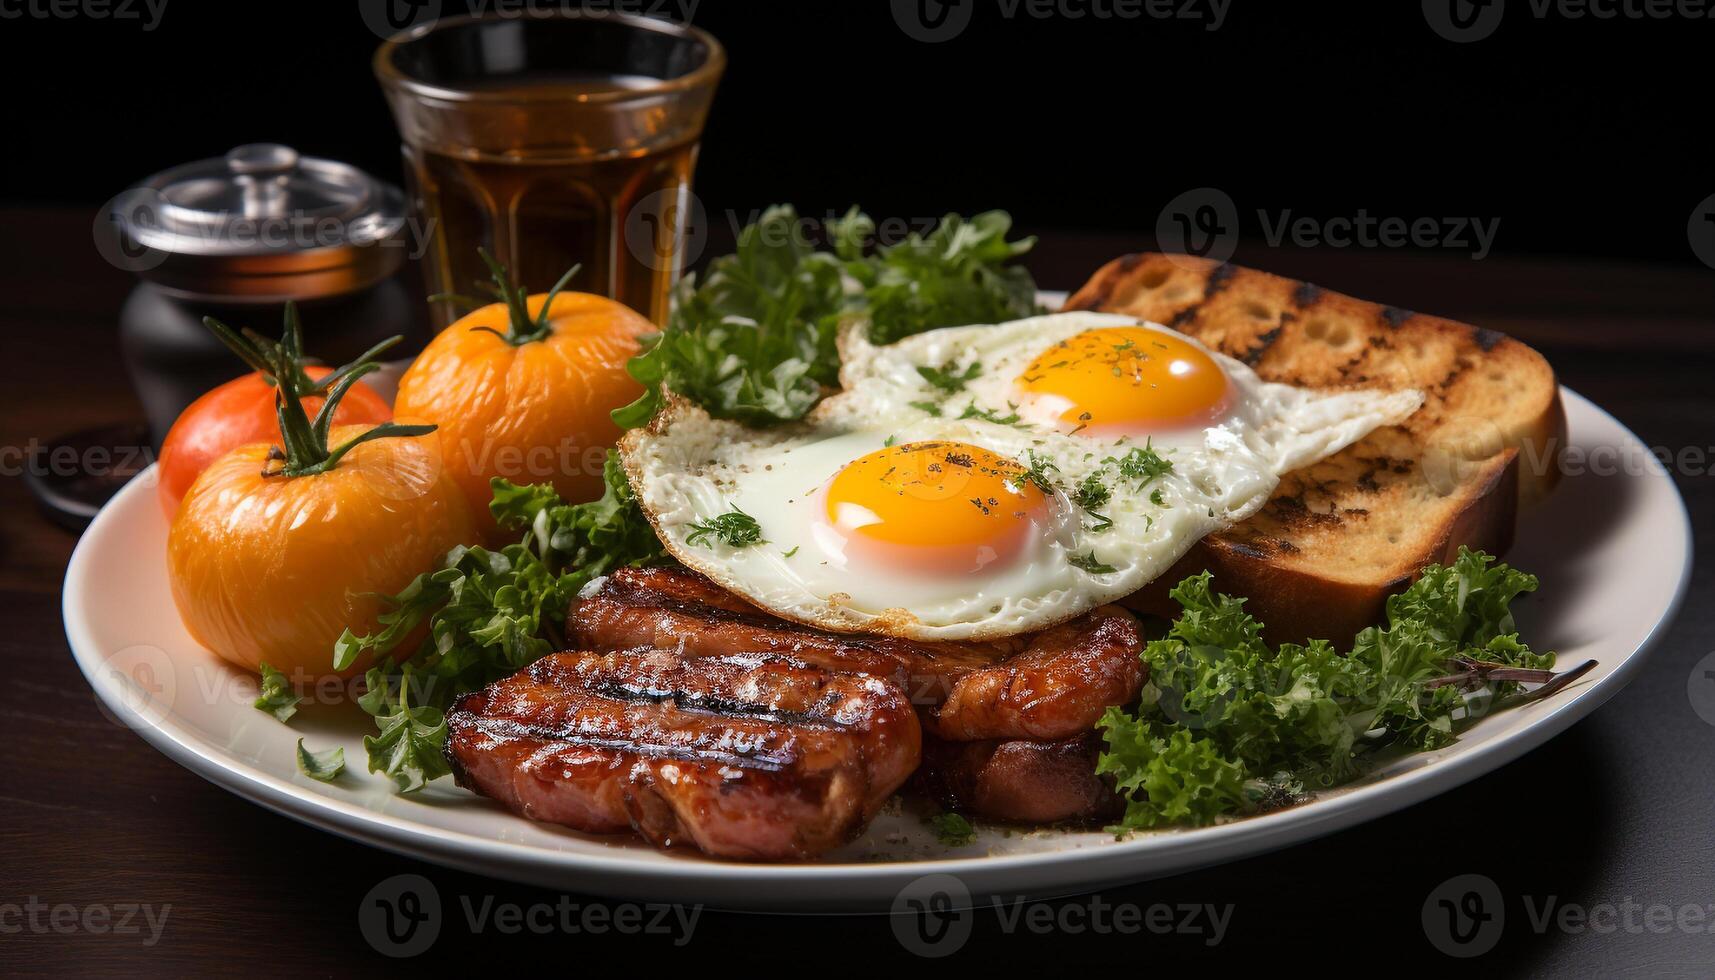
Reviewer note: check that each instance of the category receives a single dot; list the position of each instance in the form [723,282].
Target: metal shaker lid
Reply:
[262,224]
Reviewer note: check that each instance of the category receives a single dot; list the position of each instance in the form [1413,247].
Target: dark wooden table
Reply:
[1616,811]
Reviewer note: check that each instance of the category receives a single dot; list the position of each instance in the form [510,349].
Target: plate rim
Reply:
[1075,870]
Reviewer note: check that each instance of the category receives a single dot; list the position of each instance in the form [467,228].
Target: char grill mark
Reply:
[744,757]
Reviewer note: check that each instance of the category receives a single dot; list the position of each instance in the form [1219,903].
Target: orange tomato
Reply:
[238,413]
[274,568]
[535,411]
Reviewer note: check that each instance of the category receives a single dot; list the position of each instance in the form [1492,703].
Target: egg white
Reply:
[687,468]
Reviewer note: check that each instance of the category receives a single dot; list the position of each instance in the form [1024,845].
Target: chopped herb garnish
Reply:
[929,408]
[948,380]
[1036,474]
[735,529]
[277,696]
[1089,564]
[952,829]
[1092,494]
[1156,498]
[788,554]
[408,747]
[322,766]
[1141,466]
[992,415]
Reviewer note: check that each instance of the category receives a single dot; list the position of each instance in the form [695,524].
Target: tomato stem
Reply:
[304,450]
[284,358]
[522,328]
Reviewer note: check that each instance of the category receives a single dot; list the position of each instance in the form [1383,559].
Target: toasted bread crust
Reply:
[1341,535]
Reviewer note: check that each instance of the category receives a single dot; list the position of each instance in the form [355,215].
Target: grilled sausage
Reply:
[678,608]
[751,757]
[1056,689]
[1019,781]
[1052,685]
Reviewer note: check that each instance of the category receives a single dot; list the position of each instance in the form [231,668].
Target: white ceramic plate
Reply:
[1612,547]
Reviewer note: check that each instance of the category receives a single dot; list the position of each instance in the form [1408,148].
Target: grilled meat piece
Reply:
[1020,781]
[745,756]
[1054,684]
[678,608]
[1056,688]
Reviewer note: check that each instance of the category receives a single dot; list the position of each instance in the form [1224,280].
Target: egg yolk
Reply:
[934,507]
[1124,380]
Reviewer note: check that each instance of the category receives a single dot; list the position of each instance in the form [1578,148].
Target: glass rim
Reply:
[390,76]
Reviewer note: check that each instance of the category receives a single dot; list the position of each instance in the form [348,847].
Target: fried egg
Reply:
[979,482]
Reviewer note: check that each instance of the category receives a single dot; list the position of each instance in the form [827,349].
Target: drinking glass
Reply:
[552,140]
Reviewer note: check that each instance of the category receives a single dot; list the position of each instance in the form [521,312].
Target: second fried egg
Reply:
[978,482]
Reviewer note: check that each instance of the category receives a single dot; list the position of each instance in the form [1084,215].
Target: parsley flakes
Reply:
[948,380]
[735,529]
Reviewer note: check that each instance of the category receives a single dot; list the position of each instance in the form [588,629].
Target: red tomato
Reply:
[238,413]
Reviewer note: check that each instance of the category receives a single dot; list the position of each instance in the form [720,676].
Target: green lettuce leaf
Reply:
[485,614]
[754,339]
[323,766]
[277,696]
[1227,723]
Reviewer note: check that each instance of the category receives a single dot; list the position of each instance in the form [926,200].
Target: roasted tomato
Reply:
[241,411]
[523,388]
[277,549]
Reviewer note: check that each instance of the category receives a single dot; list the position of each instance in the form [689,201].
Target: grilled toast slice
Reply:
[1340,536]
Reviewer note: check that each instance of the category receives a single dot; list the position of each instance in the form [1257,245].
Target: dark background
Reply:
[1578,134]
